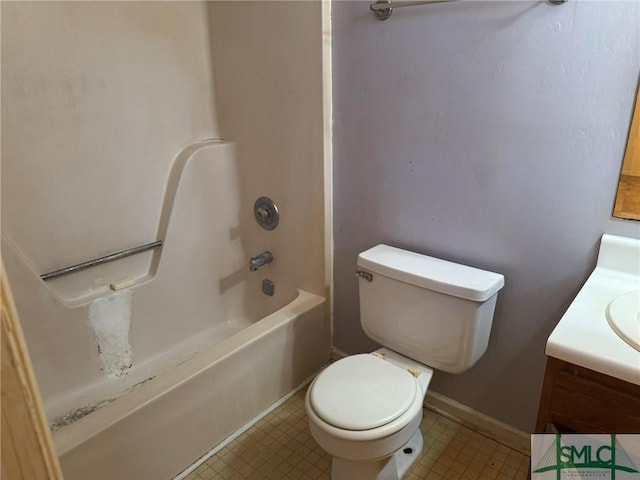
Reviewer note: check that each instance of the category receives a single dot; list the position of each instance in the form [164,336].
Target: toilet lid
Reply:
[362,392]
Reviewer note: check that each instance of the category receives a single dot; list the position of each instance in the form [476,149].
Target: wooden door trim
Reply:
[26,448]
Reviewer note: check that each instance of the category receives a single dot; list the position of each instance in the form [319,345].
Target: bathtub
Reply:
[193,349]
[161,427]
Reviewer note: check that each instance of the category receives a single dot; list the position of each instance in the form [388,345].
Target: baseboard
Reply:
[467,416]
[479,422]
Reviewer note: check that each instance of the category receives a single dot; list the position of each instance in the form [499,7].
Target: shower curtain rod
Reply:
[383,9]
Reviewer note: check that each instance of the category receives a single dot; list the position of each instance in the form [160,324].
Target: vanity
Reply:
[592,377]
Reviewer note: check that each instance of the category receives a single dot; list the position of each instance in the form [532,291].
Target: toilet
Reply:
[365,410]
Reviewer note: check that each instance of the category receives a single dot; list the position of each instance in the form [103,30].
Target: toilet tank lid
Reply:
[431,273]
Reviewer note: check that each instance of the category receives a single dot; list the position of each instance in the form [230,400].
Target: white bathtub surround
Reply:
[202,308]
[121,161]
[198,294]
[114,89]
[109,319]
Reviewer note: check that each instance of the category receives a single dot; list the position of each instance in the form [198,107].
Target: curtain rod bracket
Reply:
[381,13]
[383,9]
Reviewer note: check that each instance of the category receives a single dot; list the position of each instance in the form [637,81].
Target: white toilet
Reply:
[365,410]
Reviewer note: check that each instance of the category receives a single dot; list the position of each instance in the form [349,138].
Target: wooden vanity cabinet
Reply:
[576,399]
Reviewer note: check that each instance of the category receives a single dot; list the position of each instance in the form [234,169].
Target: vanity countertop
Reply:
[583,336]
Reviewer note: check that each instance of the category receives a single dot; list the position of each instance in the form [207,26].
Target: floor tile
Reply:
[280,447]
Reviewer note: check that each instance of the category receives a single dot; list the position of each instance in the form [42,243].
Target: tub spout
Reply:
[256,262]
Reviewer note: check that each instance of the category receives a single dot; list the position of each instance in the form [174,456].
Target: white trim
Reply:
[327,146]
[479,422]
[467,416]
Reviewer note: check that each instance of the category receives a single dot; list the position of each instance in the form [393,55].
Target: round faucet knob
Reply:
[263,213]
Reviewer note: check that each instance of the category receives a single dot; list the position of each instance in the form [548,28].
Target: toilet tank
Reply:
[436,312]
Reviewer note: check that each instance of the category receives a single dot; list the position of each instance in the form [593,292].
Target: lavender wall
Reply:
[490,134]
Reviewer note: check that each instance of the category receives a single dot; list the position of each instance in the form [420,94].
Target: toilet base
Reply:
[394,467]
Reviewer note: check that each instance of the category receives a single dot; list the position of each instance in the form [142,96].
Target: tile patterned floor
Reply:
[280,447]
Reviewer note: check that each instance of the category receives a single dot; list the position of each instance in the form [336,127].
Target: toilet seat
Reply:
[363,392]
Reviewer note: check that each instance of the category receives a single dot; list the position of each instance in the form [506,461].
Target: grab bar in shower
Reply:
[99,261]
[383,9]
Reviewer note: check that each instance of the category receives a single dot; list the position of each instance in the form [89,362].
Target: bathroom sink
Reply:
[623,315]
[601,328]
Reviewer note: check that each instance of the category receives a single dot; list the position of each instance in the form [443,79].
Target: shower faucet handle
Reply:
[266,213]
[262,213]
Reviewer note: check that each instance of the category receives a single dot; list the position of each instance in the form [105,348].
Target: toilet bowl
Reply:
[365,410]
